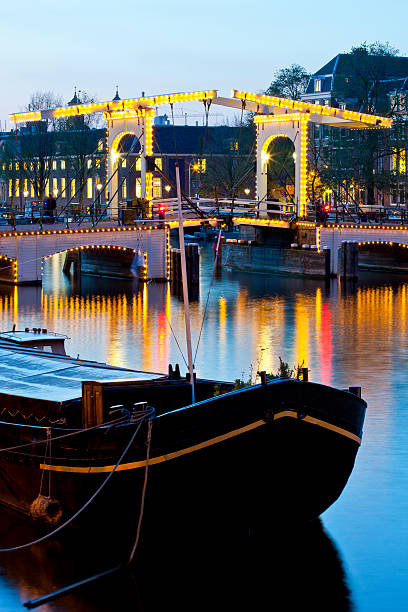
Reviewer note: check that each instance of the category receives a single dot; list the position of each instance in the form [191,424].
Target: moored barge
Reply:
[279,449]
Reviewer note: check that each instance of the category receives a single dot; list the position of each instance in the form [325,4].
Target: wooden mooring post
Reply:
[193,267]
[348,261]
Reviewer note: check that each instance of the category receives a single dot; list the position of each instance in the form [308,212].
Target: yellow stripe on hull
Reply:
[191,449]
[309,419]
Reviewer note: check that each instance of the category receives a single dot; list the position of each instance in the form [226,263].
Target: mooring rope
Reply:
[208,294]
[90,500]
[68,435]
[143,496]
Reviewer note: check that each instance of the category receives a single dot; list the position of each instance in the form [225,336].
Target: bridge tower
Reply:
[139,123]
[295,127]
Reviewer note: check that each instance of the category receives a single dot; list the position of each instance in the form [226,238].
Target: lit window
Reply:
[10,188]
[63,185]
[89,188]
[139,164]
[318,85]
[4,166]
[25,185]
[157,190]
[89,163]
[32,189]
[326,102]
[124,190]
[47,187]
[62,164]
[17,166]
[54,185]
[25,165]
[342,106]
[403,161]
[123,163]
[98,163]
[54,165]
[73,188]
[100,145]
[203,165]
[138,188]
[158,162]
[45,165]
[17,188]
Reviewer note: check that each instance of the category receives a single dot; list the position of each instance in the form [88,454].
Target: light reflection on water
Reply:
[353,335]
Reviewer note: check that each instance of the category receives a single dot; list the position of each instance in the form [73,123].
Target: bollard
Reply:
[327,261]
[262,376]
[355,391]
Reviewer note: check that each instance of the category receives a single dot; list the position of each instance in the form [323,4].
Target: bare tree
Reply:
[38,144]
[83,147]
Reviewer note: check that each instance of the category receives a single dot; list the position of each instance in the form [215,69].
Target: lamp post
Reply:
[196,167]
[98,205]
[25,198]
[247,191]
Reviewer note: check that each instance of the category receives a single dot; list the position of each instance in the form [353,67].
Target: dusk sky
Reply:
[161,46]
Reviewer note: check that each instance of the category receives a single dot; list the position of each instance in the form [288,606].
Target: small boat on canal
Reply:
[282,449]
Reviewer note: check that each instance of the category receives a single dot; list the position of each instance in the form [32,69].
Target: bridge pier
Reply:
[347,267]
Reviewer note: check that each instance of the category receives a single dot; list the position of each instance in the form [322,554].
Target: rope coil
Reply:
[148,415]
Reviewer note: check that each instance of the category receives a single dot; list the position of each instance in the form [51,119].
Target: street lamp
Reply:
[167,188]
[247,191]
[196,167]
[25,200]
[99,189]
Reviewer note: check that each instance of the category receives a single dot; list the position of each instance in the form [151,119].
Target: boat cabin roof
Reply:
[27,337]
[53,379]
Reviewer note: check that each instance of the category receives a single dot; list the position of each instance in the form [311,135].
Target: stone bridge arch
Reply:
[383,255]
[332,237]
[104,260]
[26,251]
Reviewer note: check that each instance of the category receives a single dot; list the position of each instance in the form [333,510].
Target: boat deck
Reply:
[33,375]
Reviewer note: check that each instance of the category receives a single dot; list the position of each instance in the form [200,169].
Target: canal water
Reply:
[347,335]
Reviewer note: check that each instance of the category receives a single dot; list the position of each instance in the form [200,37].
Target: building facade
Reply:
[364,83]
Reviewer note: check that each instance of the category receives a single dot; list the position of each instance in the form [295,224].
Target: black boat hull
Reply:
[281,451]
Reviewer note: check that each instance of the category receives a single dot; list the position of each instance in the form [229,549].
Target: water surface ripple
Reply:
[348,335]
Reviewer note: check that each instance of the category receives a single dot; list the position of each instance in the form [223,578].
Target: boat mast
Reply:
[185,288]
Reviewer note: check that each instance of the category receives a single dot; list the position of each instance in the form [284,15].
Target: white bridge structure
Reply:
[274,117]
[334,235]
[22,253]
